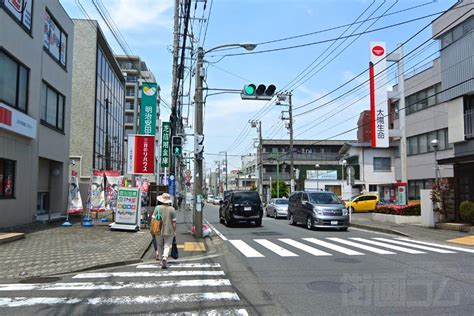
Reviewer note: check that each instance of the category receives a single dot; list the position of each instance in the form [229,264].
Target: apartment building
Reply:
[36,41]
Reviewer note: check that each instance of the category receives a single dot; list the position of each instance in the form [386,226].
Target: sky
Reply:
[147,27]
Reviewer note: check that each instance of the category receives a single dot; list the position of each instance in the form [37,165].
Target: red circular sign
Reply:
[378,50]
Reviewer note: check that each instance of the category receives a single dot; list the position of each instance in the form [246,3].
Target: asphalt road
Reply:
[325,279]
[276,269]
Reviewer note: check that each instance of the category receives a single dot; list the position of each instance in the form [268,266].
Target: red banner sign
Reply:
[141,154]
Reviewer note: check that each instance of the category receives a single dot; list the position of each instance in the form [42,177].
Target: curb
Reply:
[379,229]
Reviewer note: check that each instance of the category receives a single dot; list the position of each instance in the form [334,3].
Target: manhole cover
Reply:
[330,287]
[266,233]
[346,260]
[40,280]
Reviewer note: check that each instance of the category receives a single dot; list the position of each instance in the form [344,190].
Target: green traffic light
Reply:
[177,150]
[250,89]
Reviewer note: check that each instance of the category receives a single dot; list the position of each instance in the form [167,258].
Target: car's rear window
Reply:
[282,202]
[246,197]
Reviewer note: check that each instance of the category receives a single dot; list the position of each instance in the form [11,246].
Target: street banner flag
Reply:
[113,181]
[141,154]
[74,197]
[378,95]
[148,108]
[97,195]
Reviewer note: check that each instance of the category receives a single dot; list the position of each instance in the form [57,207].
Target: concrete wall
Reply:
[83,95]
[48,143]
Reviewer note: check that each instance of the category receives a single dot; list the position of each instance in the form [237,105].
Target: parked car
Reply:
[210,198]
[217,200]
[277,208]
[241,206]
[317,209]
[362,203]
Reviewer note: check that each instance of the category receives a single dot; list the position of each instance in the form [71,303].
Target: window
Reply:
[52,107]
[7,179]
[382,164]
[55,40]
[13,82]
[372,187]
[422,99]
[20,10]
[130,92]
[420,144]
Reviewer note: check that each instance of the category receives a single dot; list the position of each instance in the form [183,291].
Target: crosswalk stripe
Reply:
[306,248]
[101,275]
[360,246]
[275,248]
[212,312]
[120,300]
[438,245]
[245,249]
[180,265]
[112,285]
[415,246]
[381,244]
[337,248]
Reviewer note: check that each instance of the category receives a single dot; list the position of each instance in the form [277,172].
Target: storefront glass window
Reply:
[7,179]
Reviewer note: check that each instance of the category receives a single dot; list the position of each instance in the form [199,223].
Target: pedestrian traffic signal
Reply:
[177,145]
[260,92]
[198,145]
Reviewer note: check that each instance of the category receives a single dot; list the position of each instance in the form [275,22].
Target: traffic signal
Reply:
[260,92]
[198,144]
[177,145]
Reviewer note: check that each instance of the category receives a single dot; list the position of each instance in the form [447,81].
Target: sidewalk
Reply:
[364,221]
[53,249]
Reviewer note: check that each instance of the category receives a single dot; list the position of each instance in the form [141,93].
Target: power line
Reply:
[365,71]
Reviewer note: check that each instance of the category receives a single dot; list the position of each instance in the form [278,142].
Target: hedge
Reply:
[467,211]
[407,210]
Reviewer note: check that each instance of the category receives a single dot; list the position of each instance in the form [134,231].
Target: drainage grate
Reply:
[40,280]
[330,287]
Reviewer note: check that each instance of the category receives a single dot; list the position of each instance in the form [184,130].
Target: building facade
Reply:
[376,166]
[36,40]
[98,104]
[308,154]
[136,72]
[439,107]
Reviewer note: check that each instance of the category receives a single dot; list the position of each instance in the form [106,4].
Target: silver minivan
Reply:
[319,209]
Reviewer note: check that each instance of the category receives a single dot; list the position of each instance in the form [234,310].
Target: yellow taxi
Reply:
[362,203]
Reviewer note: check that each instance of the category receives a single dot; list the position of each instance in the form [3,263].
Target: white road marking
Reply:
[365,247]
[381,244]
[112,285]
[337,248]
[306,248]
[438,245]
[415,246]
[218,233]
[120,300]
[245,249]
[180,265]
[212,312]
[100,275]
[275,248]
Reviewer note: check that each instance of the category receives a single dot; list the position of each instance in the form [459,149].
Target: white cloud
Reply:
[136,15]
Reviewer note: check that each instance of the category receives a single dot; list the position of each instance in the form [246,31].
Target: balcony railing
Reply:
[469,124]
[284,156]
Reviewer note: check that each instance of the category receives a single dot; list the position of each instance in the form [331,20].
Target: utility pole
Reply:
[198,129]
[292,171]
[226,182]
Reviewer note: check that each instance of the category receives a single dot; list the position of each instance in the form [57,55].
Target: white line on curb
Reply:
[218,233]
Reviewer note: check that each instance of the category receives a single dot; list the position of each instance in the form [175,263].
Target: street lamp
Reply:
[343,165]
[435,145]
[199,126]
[317,176]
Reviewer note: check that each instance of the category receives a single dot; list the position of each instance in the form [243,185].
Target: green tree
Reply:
[284,189]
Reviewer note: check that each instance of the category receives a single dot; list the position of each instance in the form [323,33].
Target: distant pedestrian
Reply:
[164,242]
[180,200]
